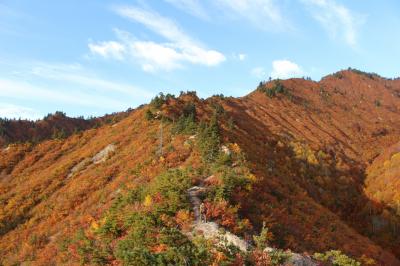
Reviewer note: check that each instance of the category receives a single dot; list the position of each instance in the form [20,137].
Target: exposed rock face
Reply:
[104,154]
[211,230]
[295,259]
[79,167]
[301,260]
[100,157]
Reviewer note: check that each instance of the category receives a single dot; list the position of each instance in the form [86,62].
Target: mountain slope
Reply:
[292,155]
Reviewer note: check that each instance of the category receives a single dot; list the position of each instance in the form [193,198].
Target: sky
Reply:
[94,57]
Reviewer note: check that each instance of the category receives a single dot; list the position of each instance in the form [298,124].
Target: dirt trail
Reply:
[194,197]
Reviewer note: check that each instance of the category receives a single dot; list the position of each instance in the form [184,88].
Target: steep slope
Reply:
[292,155]
[321,136]
[383,186]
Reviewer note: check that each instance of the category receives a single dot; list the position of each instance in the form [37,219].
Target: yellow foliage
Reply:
[235,148]
[94,226]
[251,177]
[386,164]
[396,156]
[183,219]
[148,201]
[304,152]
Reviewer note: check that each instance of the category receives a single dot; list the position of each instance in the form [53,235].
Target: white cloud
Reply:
[16,111]
[179,48]
[259,72]
[108,49]
[285,69]
[155,22]
[24,90]
[338,21]
[192,7]
[263,14]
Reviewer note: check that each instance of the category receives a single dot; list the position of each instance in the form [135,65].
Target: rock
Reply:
[8,148]
[295,259]
[211,230]
[225,150]
[301,260]
[104,154]
[78,167]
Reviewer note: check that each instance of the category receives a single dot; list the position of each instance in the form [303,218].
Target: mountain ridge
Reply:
[309,148]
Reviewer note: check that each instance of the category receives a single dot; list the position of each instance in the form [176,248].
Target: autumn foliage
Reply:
[312,168]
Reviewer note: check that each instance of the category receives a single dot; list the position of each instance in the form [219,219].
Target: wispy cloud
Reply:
[259,72]
[193,7]
[16,111]
[285,69]
[339,21]
[67,85]
[178,49]
[76,74]
[263,14]
[25,90]
[108,49]
[281,69]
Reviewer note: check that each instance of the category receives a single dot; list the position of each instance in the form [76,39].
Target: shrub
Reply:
[264,238]
[160,99]
[59,134]
[276,89]
[337,258]
[369,75]
[209,140]
[170,187]
[149,115]
[278,257]
[187,121]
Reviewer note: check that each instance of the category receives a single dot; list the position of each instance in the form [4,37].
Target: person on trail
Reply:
[202,213]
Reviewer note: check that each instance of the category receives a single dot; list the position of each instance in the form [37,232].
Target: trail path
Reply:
[211,229]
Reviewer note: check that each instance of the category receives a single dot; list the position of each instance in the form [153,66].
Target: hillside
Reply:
[53,126]
[306,166]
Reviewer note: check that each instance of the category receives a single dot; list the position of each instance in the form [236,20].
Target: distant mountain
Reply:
[53,126]
[298,172]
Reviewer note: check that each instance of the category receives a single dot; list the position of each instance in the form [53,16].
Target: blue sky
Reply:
[94,57]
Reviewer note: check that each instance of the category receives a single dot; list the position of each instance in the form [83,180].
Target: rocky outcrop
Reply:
[104,154]
[211,230]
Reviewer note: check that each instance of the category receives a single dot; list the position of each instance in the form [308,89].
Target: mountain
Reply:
[53,126]
[296,167]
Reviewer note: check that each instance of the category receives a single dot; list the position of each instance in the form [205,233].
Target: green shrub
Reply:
[149,115]
[263,239]
[186,123]
[369,75]
[209,140]
[278,257]
[276,89]
[172,186]
[160,99]
[337,258]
